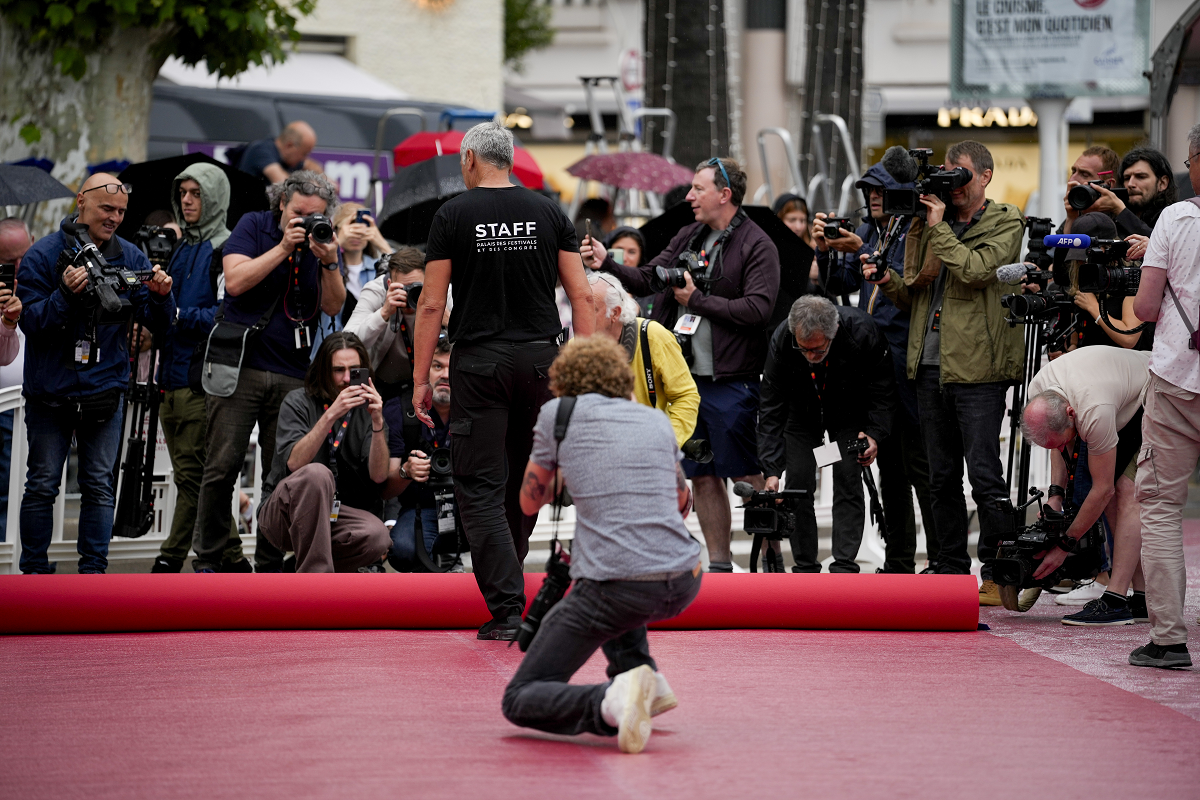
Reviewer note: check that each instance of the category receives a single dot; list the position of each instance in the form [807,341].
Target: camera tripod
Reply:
[135,503]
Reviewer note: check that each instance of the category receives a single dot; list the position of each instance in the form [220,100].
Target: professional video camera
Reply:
[157,243]
[912,166]
[1101,272]
[764,518]
[673,276]
[1021,550]
[1081,198]
[108,284]
[318,227]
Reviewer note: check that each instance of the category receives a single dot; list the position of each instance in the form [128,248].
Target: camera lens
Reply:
[1082,197]
[413,291]
[670,276]
[1028,305]
[439,462]
[698,450]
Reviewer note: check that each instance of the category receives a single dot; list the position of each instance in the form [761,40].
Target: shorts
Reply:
[1129,442]
[728,419]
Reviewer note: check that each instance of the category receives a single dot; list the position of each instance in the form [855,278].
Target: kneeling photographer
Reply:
[79,288]
[632,559]
[829,371]
[425,507]
[1093,396]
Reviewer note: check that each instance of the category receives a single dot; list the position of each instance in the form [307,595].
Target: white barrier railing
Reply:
[61,549]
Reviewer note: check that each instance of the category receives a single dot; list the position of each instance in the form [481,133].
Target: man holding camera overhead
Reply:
[281,271]
[718,299]
[961,352]
[77,365]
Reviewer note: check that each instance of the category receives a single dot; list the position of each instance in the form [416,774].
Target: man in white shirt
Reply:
[1169,294]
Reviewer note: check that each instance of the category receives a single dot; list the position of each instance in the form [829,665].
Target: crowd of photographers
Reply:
[304,322]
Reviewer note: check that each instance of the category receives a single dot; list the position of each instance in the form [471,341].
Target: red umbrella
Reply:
[429,144]
[646,171]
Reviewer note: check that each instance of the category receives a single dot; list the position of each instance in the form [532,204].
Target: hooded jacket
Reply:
[195,262]
[977,345]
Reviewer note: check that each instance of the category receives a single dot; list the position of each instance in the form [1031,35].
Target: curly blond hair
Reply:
[595,364]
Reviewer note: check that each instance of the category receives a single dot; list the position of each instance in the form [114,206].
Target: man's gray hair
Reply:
[1194,139]
[490,142]
[10,224]
[810,314]
[1054,420]
[307,183]
[615,296]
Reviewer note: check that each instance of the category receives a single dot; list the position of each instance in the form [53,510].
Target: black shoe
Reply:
[1137,607]
[1156,655]
[376,567]
[500,630]
[165,564]
[1100,614]
[241,565]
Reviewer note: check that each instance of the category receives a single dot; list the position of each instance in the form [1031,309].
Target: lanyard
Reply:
[294,262]
[820,390]
[404,336]
[336,434]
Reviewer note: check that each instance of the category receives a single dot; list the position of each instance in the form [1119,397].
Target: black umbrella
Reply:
[151,182]
[21,186]
[416,193]
[795,257]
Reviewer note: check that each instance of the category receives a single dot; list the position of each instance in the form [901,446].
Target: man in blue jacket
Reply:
[902,462]
[200,200]
[76,373]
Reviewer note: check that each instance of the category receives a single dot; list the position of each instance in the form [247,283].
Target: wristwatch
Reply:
[404,475]
[1068,543]
[331,267]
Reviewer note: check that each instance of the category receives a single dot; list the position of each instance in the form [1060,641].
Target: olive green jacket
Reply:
[977,344]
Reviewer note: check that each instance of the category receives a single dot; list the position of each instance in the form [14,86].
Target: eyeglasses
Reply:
[716,162]
[1188,164]
[112,188]
[814,350]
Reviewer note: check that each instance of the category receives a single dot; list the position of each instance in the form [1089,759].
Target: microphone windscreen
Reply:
[899,164]
[1072,240]
[743,489]
[1011,273]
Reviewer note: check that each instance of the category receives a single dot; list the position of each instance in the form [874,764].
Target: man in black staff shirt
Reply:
[274,271]
[722,311]
[828,370]
[505,248]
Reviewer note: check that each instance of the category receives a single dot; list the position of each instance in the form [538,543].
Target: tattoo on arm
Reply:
[680,479]
[533,488]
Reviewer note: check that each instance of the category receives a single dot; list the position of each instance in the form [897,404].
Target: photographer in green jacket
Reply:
[961,352]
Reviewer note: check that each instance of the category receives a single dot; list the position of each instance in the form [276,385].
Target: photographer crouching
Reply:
[633,561]
[1094,396]
[829,371]
[79,287]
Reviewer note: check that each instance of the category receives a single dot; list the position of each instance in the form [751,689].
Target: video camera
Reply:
[673,276]
[157,243]
[912,166]
[1083,197]
[763,516]
[1101,272]
[1021,550]
[108,284]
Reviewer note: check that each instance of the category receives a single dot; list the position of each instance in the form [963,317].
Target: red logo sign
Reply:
[1089,3]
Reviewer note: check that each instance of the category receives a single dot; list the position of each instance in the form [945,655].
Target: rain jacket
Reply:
[977,344]
[193,266]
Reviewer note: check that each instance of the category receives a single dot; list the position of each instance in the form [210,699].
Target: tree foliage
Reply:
[228,35]
[526,28]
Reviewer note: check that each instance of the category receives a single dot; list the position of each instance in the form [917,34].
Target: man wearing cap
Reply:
[903,465]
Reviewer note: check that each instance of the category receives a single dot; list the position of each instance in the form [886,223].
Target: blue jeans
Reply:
[962,421]
[98,446]
[404,535]
[6,426]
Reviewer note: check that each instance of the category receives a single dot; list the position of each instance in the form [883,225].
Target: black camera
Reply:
[698,450]
[441,470]
[837,227]
[108,284]
[1083,197]
[1039,228]
[1043,304]
[927,178]
[763,517]
[157,243]
[558,580]
[318,227]
[1101,272]
[665,277]
[1021,550]
[413,294]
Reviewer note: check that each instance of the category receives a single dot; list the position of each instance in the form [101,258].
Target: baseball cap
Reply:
[1094,224]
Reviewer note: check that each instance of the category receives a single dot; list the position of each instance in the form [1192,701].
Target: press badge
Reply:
[687,324]
[83,352]
[333,512]
[828,453]
[303,338]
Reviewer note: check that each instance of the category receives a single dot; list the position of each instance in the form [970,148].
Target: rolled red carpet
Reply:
[112,603]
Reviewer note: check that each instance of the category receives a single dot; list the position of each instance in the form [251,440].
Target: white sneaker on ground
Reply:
[626,706]
[664,698]
[1081,595]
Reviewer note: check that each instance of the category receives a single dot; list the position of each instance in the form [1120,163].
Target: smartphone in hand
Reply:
[359,376]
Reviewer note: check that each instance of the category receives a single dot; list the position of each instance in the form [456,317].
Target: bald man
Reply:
[77,370]
[274,159]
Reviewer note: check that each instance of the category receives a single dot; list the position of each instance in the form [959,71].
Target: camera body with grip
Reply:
[108,285]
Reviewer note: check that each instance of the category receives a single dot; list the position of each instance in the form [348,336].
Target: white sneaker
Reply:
[664,698]
[626,706]
[1082,595]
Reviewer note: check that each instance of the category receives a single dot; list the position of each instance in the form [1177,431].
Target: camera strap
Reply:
[1183,315]
[647,365]
[566,407]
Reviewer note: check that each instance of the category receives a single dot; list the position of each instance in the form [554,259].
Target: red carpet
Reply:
[118,603]
[417,714]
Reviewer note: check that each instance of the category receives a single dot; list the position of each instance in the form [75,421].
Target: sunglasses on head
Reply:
[716,162]
[112,188]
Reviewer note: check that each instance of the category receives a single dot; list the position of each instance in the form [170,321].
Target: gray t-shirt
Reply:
[702,355]
[618,459]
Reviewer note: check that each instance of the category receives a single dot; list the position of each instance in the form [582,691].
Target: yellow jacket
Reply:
[675,391]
